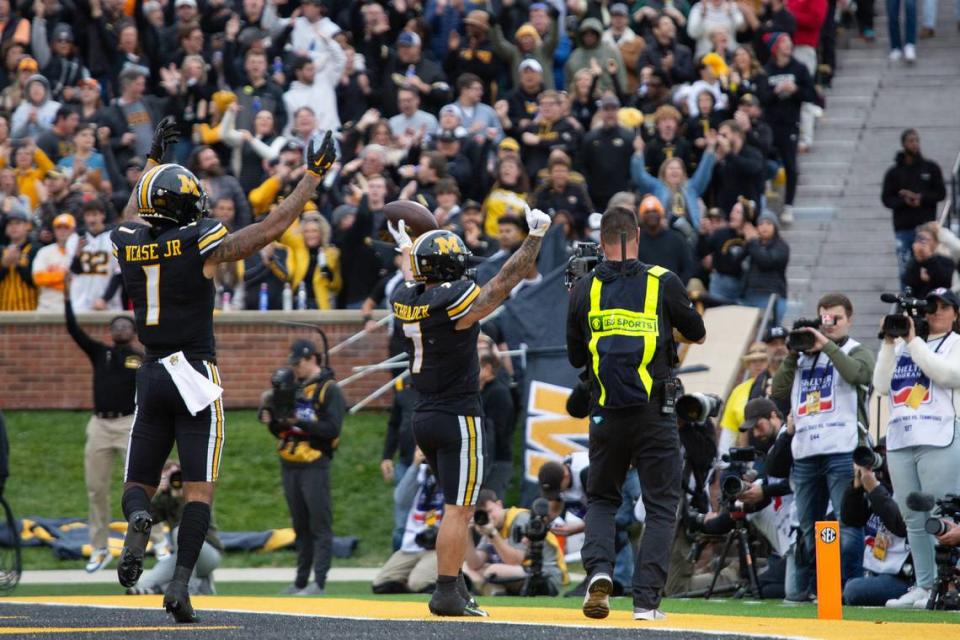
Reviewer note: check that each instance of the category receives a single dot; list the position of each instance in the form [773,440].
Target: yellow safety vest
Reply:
[623,340]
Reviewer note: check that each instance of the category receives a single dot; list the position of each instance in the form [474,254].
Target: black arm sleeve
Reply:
[90,346]
[116,280]
[682,314]
[780,457]
[853,509]
[882,504]
[776,489]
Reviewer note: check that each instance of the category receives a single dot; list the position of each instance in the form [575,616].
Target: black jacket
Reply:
[921,176]
[783,111]
[604,161]
[114,369]
[682,69]
[387,74]
[768,267]
[857,506]
[668,249]
[940,270]
[399,438]
[499,418]
[739,174]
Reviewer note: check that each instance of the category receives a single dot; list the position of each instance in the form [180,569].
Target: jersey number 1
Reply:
[412,331]
[152,273]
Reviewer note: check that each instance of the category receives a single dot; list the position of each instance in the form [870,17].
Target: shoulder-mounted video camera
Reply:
[285,388]
[896,325]
[586,256]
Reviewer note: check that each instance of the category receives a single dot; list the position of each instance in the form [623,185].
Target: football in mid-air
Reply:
[417,217]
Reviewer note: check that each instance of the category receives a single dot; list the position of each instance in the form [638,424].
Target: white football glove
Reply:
[537,221]
[400,235]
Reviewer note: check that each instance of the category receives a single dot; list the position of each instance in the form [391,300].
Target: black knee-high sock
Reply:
[135,499]
[193,529]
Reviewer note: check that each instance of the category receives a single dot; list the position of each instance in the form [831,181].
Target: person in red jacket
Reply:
[810,16]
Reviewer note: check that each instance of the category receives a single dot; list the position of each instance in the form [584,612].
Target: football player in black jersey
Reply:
[441,312]
[168,255]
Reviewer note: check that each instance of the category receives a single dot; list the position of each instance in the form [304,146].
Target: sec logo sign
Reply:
[828,535]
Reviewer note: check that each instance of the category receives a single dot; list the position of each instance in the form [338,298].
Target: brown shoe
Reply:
[927,33]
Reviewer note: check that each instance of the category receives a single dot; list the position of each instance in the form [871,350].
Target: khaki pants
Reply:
[106,441]
[417,570]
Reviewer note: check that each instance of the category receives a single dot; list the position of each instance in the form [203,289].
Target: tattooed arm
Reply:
[254,237]
[511,273]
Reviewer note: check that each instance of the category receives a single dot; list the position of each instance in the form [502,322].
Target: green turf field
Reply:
[46,479]
[770,609]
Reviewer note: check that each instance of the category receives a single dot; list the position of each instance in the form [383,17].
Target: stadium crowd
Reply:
[468,108]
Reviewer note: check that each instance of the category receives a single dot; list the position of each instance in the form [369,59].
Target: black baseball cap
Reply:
[756,409]
[302,349]
[551,480]
[946,295]
[775,333]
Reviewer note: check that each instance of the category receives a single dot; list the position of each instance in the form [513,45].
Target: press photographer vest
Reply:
[824,407]
[624,329]
[551,540]
[921,412]
[884,552]
[301,448]
[426,512]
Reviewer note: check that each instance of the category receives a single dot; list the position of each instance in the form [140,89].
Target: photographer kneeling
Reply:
[501,558]
[305,412]
[750,492]
[413,567]
[921,374]
[868,504]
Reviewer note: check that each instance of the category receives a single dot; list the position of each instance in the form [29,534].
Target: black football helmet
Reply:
[439,256]
[171,193]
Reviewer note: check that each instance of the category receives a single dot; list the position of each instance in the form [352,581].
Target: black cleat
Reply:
[447,603]
[134,546]
[176,601]
[471,608]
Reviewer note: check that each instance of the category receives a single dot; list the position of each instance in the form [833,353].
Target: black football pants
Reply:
[648,440]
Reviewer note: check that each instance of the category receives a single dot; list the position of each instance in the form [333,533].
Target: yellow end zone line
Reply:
[417,611]
[9,631]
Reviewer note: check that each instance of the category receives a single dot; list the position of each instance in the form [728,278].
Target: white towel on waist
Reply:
[196,389]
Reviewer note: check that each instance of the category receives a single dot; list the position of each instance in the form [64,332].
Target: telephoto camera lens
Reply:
[697,407]
[481,518]
[867,457]
[935,526]
[732,486]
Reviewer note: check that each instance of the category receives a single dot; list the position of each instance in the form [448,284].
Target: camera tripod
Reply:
[940,596]
[536,583]
[741,535]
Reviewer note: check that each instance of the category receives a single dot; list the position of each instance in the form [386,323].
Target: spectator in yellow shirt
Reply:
[755,361]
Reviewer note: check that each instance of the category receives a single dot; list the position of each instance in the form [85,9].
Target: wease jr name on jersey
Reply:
[146,252]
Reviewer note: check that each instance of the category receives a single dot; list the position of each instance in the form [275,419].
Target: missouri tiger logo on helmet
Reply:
[440,256]
[171,193]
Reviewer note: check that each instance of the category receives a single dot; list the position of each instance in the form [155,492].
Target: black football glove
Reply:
[320,159]
[165,136]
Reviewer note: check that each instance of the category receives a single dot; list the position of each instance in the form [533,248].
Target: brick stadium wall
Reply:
[42,368]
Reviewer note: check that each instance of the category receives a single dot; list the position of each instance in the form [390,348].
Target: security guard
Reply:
[308,439]
[620,325]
